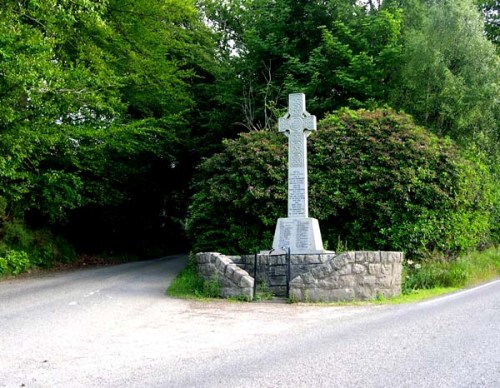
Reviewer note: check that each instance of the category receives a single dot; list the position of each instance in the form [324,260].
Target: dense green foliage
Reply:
[22,248]
[491,13]
[95,118]
[334,51]
[449,71]
[377,181]
[107,107]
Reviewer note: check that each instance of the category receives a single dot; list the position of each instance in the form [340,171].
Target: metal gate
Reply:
[274,274]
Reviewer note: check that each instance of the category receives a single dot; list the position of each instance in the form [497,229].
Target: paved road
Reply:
[113,327]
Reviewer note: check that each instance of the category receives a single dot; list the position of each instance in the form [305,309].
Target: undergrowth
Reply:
[189,284]
[465,271]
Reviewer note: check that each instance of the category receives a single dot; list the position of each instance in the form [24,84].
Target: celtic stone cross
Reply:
[297,124]
[298,232]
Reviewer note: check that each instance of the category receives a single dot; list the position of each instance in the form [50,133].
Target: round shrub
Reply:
[376,181]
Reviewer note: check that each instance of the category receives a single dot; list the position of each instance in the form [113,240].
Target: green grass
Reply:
[468,270]
[188,283]
[417,296]
[483,266]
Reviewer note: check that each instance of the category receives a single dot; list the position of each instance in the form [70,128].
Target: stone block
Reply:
[346,270]
[308,278]
[373,256]
[230,270]
[246,259]
[374,269]
[206,270]
[332,264]
[347,282]
[320,271]
[246,282]
[386,280]
[315,295]
[387,292]
[361,257]
[237,275]
[212,257]
[297,282]
[229,292]
[328,284]
[312,259]
[397,269]
[358,269]
[226,282]
[368,280]
[396,257]
[326,258]
[364,293]
[220,266]
[386,269]
[391,257]
[339,262]
[349,256]
[225,259]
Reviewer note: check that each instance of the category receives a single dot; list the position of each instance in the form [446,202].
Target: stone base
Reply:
[301,235]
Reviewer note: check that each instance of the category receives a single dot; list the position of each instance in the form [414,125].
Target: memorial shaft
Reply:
[298,233]
[297,176]
[297,125]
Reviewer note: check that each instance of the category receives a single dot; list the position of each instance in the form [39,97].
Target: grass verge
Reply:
[468,270]
[188,284]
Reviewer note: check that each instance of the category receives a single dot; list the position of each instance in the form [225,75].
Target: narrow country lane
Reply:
[114,327]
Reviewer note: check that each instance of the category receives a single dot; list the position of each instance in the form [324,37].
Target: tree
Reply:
[338,52]
[449,72]
[96,103]
[491,13]
[448,78]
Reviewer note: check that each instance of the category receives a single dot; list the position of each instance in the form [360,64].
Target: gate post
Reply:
[255,276]
[288,272]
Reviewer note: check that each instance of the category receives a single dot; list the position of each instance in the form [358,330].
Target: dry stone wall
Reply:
[233,281]
[326,277]
[350,276]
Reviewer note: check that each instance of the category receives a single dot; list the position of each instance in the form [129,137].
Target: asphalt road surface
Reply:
[113,327]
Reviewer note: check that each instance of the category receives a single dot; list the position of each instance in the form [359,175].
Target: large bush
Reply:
[376,181]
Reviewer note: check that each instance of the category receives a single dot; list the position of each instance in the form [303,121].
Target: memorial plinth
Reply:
[301,235]
[298,232]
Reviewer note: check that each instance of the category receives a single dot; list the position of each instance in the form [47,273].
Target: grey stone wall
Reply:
[324,277]
[233,280]
[350,276]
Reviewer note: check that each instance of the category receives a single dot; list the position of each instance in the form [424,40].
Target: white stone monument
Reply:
[298,232]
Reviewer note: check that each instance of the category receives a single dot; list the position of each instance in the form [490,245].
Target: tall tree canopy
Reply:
[95,111]
[449,70]
[335,51]
[491,13]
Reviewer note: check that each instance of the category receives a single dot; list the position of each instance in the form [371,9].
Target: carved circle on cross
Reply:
[296,124]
